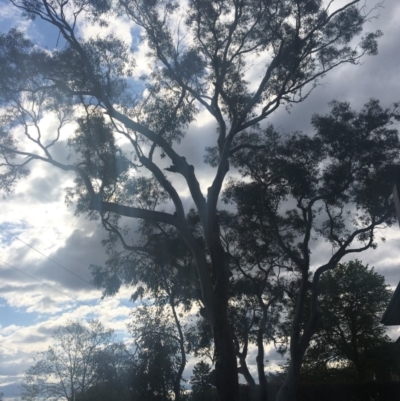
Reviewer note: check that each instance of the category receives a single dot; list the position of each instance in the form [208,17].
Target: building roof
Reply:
[391,317]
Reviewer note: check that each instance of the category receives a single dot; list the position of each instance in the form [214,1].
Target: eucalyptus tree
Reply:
[302,191]
[162,271]
[82,358]
[202,61]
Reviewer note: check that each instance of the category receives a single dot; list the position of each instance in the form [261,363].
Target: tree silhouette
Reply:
[202,67]
[353,299]
[83,357]
[161,355]
[202,389]
[333,187]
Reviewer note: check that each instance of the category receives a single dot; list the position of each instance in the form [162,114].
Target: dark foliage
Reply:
[89,82]
[352,301]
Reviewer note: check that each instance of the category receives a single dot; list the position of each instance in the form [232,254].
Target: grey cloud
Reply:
[46,331]
[45,189]
[47,303]
[10,369]
[385,259]
[274,358]
[392,276]
[23,252]
[16,286]
[377,77]
[80,250]
[61,152]
[11,390]
[33,338]
[196,139]
[393,332]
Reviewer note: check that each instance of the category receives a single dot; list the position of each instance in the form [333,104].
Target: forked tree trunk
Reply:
[244,370]
[254,389]
[298,342]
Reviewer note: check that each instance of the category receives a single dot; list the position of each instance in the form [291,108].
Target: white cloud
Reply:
[10,14]
[121,28]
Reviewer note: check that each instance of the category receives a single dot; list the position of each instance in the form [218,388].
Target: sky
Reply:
[45,250]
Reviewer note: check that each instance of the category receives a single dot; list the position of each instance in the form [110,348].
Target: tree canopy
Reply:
[84,358]
[353,299]
[202,389]
[160,358]
[124,144]
[301,190]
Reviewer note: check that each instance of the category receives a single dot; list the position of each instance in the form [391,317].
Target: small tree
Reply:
[160,356]
[352,301]
[113,370]
[75,363]
[202,389]
[163,272]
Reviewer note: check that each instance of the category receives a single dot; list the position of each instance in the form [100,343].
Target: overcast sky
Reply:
[37,214]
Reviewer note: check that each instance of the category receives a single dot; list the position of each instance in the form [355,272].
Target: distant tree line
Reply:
[349,355]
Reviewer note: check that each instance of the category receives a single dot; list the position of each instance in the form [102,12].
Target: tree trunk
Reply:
[298,347]
[263,395]
[227,380]
[298,344]
[215,296]
[244,370]
[226,366]
[287,392]
[178,378]
[226,369]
